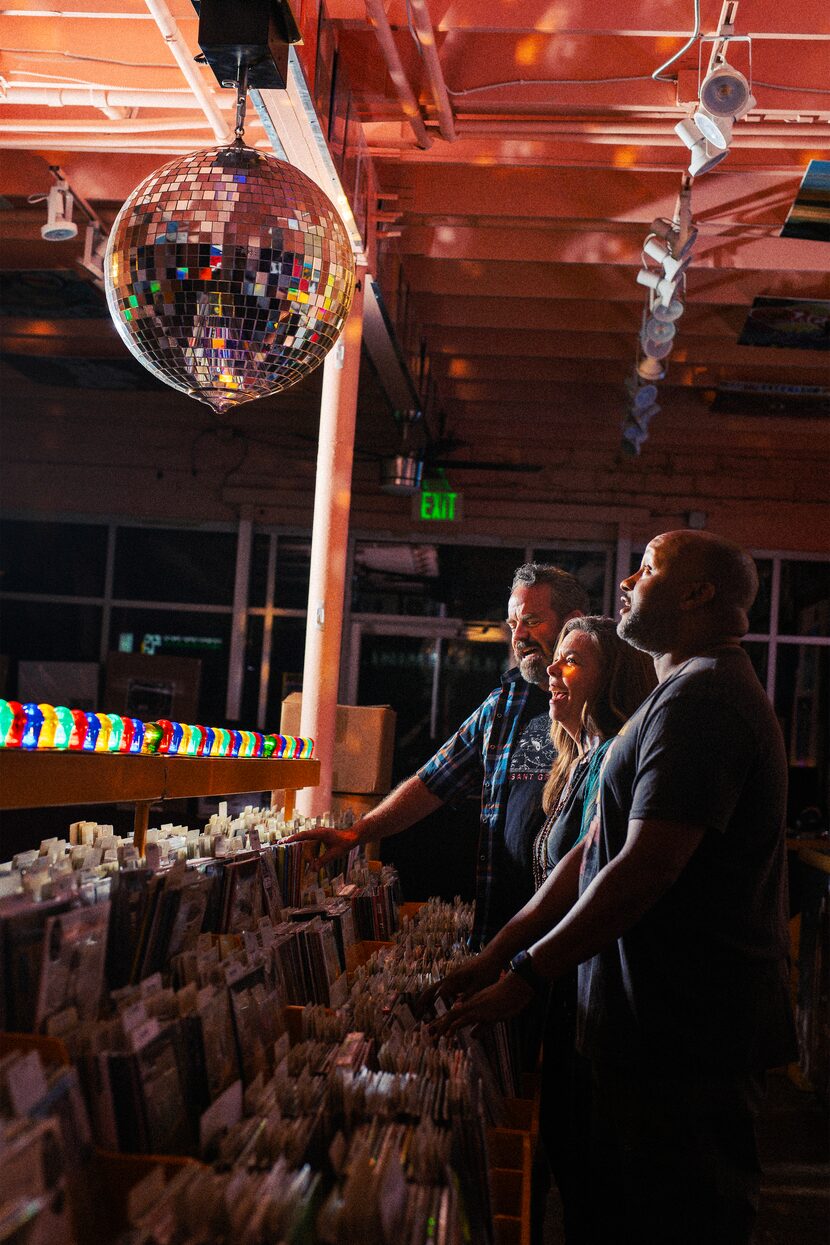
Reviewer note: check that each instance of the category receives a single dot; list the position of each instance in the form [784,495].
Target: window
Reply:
[180,633]
[588,567]
[56,559]
[162,564]
[293,566]
[51,631]
[805,598]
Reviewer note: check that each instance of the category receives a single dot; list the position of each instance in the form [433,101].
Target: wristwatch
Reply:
[522,966]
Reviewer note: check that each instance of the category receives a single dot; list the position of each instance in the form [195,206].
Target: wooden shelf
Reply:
[44,779]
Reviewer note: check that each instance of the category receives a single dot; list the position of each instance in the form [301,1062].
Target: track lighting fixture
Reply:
[95,248]
[667,315]
[635,428]
[703,155]
[663,288]
[401,475]
[650,369]
[641,396]
[59,226]
[724,97]
[716,130]
[670,263]
[725,92]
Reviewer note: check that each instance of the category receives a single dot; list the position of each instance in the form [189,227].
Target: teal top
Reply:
[570,822]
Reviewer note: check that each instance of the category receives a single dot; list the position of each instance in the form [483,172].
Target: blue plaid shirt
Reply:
[476,760]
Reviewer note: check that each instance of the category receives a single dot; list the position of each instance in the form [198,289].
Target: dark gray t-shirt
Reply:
[530,765]
[702,979]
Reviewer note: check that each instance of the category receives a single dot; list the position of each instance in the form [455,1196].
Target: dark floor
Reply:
[795,1153]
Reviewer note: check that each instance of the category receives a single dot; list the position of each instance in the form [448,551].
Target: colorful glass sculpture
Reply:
[12,723]
[48,727]
[66,723]
[153,732]
[93,729]
[33,727]
[116,735]
[102,742]
[195,739]
[206,747]
[137,741]
[79,728]
[236,743]
[269,746]
[229,275]
[222,743]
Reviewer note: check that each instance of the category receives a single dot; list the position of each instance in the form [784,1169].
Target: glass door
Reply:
[432,671]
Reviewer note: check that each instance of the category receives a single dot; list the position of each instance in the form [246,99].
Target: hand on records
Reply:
[462,982]
[336,842]
[505,998]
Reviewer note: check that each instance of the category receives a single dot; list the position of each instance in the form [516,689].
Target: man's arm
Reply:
[400,809]
[554,898]
[653,857]
[547,906]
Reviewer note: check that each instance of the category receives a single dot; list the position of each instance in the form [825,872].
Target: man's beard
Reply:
[534,668]
[645,632]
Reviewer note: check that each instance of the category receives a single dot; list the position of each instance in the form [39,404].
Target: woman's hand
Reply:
[505,998]
[466,979]
[336,842]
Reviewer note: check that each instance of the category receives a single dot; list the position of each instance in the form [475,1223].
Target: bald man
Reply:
[674,907]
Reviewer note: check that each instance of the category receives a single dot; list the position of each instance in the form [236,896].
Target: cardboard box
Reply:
[161,686]
[364,742]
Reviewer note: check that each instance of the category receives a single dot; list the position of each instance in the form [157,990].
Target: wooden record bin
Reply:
[46,779]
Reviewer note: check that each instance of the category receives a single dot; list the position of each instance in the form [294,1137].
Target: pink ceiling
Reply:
[507,248]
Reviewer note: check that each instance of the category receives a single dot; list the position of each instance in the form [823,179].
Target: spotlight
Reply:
[654,347]
[95,248]
[659,330]
[716,130]
[668,315]
[401,475]
[704,156]
[671,264]
[635,429]
[663,288]
[59,225]
[650,369]
[725,92]
[641,396]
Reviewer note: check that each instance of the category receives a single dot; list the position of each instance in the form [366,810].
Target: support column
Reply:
[329,550]
[236,656]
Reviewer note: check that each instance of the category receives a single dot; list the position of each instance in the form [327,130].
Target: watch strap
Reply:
[522,966]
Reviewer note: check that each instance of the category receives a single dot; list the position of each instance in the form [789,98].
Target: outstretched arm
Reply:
[548,905]
[407,804]
[654,856]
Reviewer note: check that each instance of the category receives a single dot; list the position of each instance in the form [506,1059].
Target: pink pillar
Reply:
[329,548]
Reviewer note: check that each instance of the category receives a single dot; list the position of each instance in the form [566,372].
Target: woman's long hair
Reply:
[627,678]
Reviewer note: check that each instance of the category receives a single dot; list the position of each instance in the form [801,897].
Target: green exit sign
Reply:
[437,505]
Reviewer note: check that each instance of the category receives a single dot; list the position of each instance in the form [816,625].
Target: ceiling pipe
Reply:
[112,142]
[184,59]
[376,15]
[70,96]
[624,129]
[786,136]
[437,82]
[152,125]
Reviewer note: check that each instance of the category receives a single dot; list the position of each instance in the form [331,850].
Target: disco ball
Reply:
[229,275]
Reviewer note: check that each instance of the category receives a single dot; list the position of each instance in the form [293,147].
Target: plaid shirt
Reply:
[476,760]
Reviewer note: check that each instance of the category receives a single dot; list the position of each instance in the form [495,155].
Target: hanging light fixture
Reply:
[229,273]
